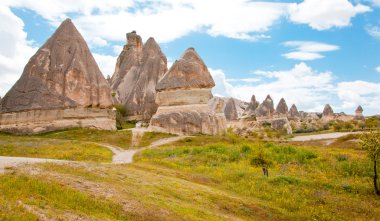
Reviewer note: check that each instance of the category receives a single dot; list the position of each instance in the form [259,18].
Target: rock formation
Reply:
[230,110]
[137,71]
[293,112]
[183,94]
[282,108]
[359,113]
[61,86]
[252,106]
[265,109]
[328,111]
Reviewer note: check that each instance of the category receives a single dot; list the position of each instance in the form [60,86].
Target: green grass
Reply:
[150,137]
[304,182]
[53,149]
[118,138]
[57,199]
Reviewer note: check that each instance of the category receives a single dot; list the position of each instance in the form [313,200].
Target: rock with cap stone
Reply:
[252,106]
[183,96]
[359,113]
[61,86]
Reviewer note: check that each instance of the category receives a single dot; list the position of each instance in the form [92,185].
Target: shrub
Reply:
[285,180]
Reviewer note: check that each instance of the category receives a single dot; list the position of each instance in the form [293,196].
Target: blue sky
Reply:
[311,52]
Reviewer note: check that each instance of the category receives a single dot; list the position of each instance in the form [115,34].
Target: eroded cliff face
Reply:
[183,96]
[61,77]
[62,74]
[138,69]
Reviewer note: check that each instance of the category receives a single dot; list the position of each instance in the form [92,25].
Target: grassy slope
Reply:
[118,138]
[22,146]
[150,137]
[203,178]
[330,183]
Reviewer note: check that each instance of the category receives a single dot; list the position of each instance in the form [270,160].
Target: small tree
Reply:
[370,142]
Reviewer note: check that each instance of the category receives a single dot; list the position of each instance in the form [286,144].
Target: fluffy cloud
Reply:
[106,63]
[362,93]
[15,50]
[301,85]
[374,31]
[307,50]
[377,69]
[167,20]
[325,14]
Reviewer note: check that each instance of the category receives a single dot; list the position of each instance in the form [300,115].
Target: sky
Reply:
[310,52]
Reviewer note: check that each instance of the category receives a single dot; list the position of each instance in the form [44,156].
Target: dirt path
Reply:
[6,162]
[322,136]
[137,134]
[120,156]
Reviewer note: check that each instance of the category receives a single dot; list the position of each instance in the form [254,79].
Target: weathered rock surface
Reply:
[293,112]
[282,123]
[265,109]
[252,106]
[282,108]
[138,69]
[62,74]
[230,110]
[328,111]
[359,113]
[61,86]
[183,96]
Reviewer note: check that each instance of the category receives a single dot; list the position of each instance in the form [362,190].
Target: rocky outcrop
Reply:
[240,105]
[137,71]
[293,112]
[230,110]
[328,111]
[61,77]
[265,109]
[359,114]
[282,108]
[281,124]
[183,96]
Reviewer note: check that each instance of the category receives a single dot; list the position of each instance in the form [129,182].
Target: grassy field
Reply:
[22,146]
[120,138]
[202,178]
[150,137]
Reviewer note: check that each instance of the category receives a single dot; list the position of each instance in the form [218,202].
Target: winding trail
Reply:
[322,136]
[120,156]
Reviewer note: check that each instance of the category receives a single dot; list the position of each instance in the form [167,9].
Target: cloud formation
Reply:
[307,50]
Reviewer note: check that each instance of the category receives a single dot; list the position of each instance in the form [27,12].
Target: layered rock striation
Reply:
[61,87]
[183,95]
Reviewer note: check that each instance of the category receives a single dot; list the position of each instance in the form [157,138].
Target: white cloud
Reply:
[362,93]
[301,85]
[374,31]
[308,50]
[246,80]
[325,14]
[97,42]
[106,63]
[303,56]
[15,50]
[376,2]
[377,69]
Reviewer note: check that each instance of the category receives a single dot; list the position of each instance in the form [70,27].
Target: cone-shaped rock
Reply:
[61,75]
[359,113]
[328,111]
[293,112]
[282,107]
[265,109]
[183,96]
[188,72]
[252,106]
[230,110]
[137,72]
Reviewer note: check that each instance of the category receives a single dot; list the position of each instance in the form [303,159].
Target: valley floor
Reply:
[185,178]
